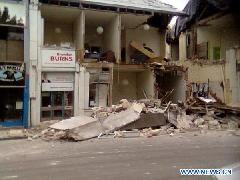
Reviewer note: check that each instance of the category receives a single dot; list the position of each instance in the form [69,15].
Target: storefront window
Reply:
[11,103]
[46,99]
[11,91]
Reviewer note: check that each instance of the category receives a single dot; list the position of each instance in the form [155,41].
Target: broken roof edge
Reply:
[164,10]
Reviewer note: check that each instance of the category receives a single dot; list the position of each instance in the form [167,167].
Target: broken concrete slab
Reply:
[147,120]
[118,120]
[87,131]
[72,123]
[138,107]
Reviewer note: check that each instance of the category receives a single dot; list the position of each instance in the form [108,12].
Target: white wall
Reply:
[233,77]
[36,24]
[182,47]
[111,39]
[130,85]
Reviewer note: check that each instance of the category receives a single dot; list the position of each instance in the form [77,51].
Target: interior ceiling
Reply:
[59,14]
[96,18]
[131,20]
[93,18]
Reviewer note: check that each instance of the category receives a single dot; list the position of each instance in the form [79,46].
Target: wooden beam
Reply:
[140,48]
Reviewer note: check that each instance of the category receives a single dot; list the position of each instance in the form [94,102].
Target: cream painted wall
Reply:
[51,37]
[124,86]
[233,77]
[201,73]
[210,35]
[145,81]
[182,47]
[224,38]
[152,38]
[130,85]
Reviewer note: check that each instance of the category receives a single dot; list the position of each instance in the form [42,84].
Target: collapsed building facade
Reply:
[93,53]
[207,43]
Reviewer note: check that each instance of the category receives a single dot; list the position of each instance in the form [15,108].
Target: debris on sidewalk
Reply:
[143,118]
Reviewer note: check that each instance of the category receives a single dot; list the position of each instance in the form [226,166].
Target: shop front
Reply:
[12,96]
[57,84]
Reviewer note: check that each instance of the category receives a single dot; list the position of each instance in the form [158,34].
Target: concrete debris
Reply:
[142,118]
[213,123]
[127,134]
[149,132]
[118,120]
[125,103]
[232,125]
[199,121]
[207,100]
[138,107]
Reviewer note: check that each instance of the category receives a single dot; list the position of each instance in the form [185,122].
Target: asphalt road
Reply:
[118,159]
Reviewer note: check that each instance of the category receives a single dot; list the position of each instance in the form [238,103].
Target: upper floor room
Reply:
[123,32]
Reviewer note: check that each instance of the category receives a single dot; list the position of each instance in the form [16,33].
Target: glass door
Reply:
[57,105]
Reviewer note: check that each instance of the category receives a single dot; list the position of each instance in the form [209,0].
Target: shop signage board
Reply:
[58,58]
[57,86]
[57,77]
[56,81]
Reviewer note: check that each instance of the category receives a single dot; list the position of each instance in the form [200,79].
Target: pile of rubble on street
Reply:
[144,118]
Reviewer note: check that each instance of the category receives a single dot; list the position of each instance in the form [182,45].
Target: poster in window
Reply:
[12,74]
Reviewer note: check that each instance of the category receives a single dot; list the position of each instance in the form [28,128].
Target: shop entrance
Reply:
[57,95]
[11,105]
[57,105]
[12,88]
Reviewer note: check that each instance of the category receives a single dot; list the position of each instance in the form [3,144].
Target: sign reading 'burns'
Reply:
[58,58]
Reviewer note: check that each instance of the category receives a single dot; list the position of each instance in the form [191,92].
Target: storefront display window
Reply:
[56,105]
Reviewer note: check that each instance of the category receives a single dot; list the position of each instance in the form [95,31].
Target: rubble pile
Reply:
[106,120]
[142,118]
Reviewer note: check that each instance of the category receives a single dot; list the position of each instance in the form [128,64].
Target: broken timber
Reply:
[140,48]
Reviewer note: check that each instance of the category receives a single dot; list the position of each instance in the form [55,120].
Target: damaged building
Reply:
[85,54]
[207,43]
